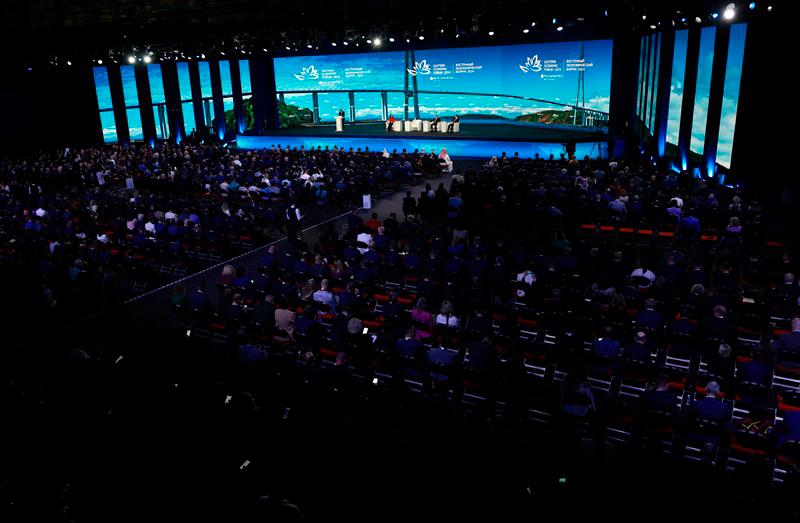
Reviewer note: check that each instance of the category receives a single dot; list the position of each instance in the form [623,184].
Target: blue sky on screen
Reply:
[705,65]
[101,88]
[676,86]
[225,77]
[205,79]
[244,75]
[184,82]
[520,70]
[156,83]
[730,97]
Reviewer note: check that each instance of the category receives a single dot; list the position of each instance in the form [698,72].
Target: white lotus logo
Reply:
[532,64]
[307,72]
[420,68]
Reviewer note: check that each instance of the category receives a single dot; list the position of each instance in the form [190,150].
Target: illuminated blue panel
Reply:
[188,117]
[244,76]
[330,103]
[156,83]
[655,59]
[225,77]
[676,86]
[639,89]
[109,126]
[101,88]
[162,122]
[184,81]
[129,85]
[395,102]
[456,148]
[368,105]
[205,79]
[704,66]
[208,112]
[135,123]
[730,96]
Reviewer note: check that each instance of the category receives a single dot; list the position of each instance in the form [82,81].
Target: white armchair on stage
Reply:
[406,125]
[397,125]
[339,124]
[426,126]
[416,125]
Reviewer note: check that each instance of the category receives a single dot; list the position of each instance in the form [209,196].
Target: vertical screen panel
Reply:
[641,78]
[730,96]
[676,86]
[101,88]
[135,123]
[184,81]
[109,126]
[129,85]
[705,64]
[225,77]
[656,59]
[156,83]
[244,76]
[330,103]
[205,79]
[188,117]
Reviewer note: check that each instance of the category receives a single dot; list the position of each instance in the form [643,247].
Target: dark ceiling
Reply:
[94,28]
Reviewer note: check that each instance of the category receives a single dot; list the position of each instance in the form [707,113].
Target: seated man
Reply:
[711,407]
[435,122]
[786,349]
[390,123]
[451,126]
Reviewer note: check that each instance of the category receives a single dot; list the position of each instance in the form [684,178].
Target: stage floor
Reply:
[469,129]
[476,139]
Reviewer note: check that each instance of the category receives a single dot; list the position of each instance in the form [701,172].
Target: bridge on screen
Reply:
[581,115]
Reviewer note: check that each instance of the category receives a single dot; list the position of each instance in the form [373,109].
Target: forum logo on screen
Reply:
[307,72]
[420,68]
[532,64]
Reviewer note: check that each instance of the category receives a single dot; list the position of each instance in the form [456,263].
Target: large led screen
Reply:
[526,83]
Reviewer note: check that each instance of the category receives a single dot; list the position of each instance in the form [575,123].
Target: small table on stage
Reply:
[426,126]
[407,125]
[339,124]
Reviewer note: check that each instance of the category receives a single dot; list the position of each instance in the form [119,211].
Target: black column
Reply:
[118,99]
[238,101]
[689,89]
[623,103]
[216,92]
[664,91]
[197,100]
[722,38]
[145,103]
[172,96]
[265,107]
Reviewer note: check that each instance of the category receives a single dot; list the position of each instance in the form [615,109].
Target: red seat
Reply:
[626,230]
[646,232]
[607,228]
[588,226]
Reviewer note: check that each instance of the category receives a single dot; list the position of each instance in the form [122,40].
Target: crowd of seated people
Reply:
[517,295]
[574,291]
[115,221]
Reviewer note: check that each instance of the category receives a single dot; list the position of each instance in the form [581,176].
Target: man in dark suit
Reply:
[711,407]
[408,347]
[650,318]
[451,125]
[786,349]
[719,325]
[659,398]
[435,122]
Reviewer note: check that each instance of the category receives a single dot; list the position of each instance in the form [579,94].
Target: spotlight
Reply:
[391,39]
[369,41]
[769,8]
[441,30]
[99,62]
[408,40]
[289,48]
[131,59]
[377,42]
[644,17]
[533,24]
[526,30]
[560,28]
[309,46]
[752,5]
[333,44]
[69,63]
[730,12]
[683,19]
[147,59]
[421,37]
[554,20]
[491,33]
[652,26]
[697,19]
[714,15]
[345,43]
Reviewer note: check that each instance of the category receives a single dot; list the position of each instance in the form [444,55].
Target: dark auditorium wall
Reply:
[46,107]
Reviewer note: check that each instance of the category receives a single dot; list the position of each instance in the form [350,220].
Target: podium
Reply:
[339,124]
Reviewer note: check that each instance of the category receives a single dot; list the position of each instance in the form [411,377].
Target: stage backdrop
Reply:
[525,83]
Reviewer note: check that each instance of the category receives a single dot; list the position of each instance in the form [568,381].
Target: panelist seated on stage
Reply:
[390,123]
[435,122]
[452,125]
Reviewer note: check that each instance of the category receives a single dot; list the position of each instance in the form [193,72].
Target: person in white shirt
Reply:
[169,215]
[323,295]
[644,272]
[150,226]
[365,238]
[446,316]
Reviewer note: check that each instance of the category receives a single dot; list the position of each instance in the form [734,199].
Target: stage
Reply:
[476,139]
